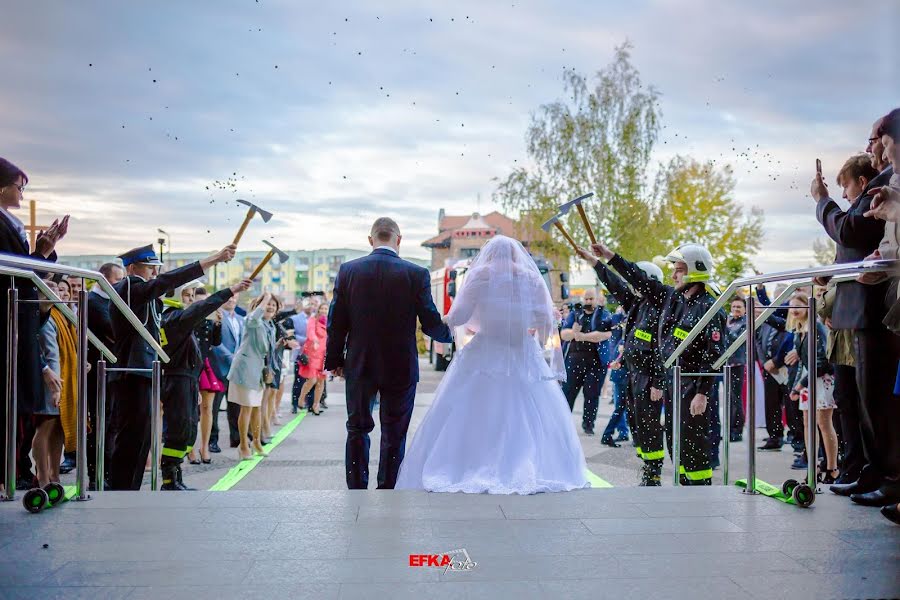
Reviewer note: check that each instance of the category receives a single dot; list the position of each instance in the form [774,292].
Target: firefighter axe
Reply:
[254,209]
[282,256]
[565,208]
[554,222]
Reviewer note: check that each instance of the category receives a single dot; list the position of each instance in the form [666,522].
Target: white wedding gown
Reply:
[499,422]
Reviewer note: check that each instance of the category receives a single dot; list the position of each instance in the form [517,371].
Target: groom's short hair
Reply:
[384,228]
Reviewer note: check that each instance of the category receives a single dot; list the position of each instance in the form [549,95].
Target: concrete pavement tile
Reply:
[764,507]
[839,561]
[868,584]
[807,520]
[445,513]
[299,499]
[809,543]
[713,588]
[203,571]
[67,592]
[535,568]
[28,571]
[700,565]
[141,499]
[481,590]
[582,510]
[649,525]
[548,526]
[348,570]
[885,538]
[262,591]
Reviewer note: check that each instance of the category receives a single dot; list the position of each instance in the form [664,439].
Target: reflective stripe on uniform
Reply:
[696,475]
[680,333]
[162,338]
[643,335]
[657,455]
[173,452]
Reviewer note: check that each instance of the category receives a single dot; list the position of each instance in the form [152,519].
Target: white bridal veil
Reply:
[505,303]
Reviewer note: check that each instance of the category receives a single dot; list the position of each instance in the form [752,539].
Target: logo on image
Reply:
[452,560]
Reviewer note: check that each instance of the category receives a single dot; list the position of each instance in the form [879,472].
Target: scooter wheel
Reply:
[787,488]
[804,495]
[55,492]
[35,500]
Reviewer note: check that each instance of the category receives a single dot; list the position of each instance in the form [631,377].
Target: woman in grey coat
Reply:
[247,376]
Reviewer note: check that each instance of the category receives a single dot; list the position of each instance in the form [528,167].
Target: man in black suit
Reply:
[31,374]
[860,307]
[130,393]
[373,312]
[100,325]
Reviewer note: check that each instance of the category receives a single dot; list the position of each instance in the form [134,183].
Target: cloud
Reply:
[404,109]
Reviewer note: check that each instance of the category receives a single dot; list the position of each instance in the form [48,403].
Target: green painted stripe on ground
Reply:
[70,492]
[596,480]
[239,471]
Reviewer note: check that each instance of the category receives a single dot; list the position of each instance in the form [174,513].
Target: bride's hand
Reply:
[445,319]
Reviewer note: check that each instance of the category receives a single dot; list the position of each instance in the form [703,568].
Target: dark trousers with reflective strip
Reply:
[695,468]
[584,371]
[646,428]
[179,400]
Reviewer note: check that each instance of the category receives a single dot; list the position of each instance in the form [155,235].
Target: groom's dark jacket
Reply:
[372,319]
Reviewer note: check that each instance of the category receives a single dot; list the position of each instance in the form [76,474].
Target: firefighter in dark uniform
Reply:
[130,393]
[681,308]
[644,366]
[584,330]
[181,377]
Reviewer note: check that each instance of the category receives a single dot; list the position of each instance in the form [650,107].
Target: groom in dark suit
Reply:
[372,344]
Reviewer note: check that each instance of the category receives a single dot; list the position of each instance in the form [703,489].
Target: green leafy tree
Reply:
[824,250]
[598,140]
[696,204]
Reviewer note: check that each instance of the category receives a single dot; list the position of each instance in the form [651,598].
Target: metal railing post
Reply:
[81,397]
[155,398]
[750,374]
[676,422]
[812,442]
[12,416]
[100,427]
[726,417]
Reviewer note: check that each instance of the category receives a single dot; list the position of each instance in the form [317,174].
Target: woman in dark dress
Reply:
[209,335]
[14,241]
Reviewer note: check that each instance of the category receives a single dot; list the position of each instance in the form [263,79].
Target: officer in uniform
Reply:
[181,377]
[681,307]
[584,369]
[129,392]
[644,365]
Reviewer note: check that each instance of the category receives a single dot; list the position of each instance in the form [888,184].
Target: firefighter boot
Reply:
[169,477]
[652,473]
[180,482]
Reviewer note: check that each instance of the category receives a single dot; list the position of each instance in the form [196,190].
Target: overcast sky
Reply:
[134,115]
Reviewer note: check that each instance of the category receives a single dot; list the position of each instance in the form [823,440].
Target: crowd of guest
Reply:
[237,355]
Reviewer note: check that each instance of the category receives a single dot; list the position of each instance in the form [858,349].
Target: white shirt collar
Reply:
[96,289]
[385,248]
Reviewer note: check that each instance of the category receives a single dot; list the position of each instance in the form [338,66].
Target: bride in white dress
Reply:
[499,422]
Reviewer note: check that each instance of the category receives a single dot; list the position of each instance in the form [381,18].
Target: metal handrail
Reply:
[769,310]
[63,308]
[49,267]
[866,266]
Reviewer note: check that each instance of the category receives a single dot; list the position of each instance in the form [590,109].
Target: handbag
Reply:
[303,359]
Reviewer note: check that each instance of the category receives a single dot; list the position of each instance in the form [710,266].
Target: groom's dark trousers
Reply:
[395,412]
[372,336]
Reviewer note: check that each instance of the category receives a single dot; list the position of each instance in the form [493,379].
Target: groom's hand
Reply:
[338,372]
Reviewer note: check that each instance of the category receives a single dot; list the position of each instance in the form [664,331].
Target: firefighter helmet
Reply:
[651,270]
[698,260]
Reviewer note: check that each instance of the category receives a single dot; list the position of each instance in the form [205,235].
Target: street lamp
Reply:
[168,242]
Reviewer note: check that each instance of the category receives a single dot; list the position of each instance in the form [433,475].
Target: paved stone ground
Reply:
[312,457]
[290,528]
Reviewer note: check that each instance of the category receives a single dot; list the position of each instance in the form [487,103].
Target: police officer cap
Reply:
[144,255]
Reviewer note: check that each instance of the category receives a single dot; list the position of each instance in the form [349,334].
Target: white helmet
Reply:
[652,271]
[698,260]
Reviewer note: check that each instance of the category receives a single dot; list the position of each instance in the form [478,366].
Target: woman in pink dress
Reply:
[314,350]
